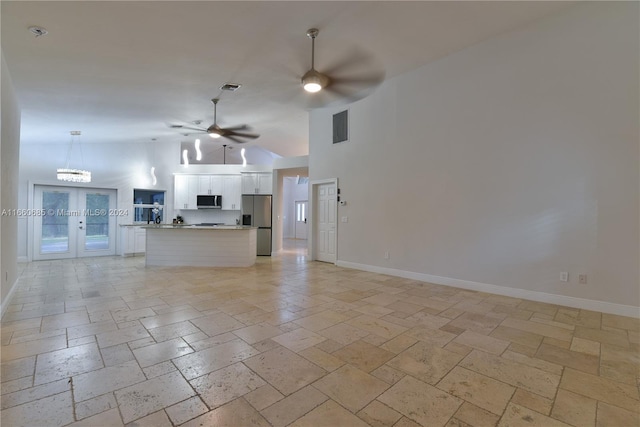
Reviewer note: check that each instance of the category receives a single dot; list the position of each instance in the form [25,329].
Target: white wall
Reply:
[502,165]
[9,154]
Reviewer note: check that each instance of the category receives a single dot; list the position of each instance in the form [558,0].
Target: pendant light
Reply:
[73,175]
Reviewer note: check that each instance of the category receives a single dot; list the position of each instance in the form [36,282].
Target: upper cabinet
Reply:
[210,184]
[185,192]
[188,187]
[231,195]
[257,183]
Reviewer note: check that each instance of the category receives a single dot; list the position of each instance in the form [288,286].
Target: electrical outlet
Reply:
[386,255]
[564,276]
[582,279]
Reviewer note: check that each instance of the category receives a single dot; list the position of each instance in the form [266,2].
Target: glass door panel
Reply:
[55,231]
[77,222]
[96,228]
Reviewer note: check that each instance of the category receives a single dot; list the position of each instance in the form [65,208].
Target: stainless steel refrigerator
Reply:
[256,211]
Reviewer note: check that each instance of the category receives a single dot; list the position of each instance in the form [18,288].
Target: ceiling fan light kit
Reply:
[313,81]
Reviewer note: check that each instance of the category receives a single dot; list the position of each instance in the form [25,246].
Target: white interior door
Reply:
[325,218]
[301,220]
[75,222]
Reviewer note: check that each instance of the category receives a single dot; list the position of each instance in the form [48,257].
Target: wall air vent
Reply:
[341,127]
[232,87]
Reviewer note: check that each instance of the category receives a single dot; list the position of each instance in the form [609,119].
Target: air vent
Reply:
[341,127]
[230,86]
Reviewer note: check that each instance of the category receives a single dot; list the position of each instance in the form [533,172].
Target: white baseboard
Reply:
[23,259]
[7,300]
[574,302]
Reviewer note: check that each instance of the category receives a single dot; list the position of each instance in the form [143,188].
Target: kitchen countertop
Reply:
[196,227]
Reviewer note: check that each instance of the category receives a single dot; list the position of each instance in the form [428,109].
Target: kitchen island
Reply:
[200,246]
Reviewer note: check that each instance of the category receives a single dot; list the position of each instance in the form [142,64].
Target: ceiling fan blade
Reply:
[357,59]
[188,128]
[234,139]
[239,127]
[243,135]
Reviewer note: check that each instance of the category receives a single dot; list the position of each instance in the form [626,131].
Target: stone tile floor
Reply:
[108,342]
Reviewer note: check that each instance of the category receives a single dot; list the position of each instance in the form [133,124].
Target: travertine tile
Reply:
[478,346]
[67,362]
[329,414]
[475,416]
[109,418]
[482,342]
[603,389]
[434,337]
[294,406]
[532,401]
[226,384]
[582,345]
[326,361]
[351,387]
[96,383]
[478,389]
[610,415]
[284,370]
[233,414]
[256,333]
[425,362]
[52,410]
[211,359]
[17,368]
[299,339]
[376,326]
[363,356]
[91,407]
[580,361]
[420,402]
[519,416]
[31,348]
[377,414]
[263,397]
[513,373]
[574,409]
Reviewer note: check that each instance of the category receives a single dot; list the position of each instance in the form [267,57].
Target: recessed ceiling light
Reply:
[231,86]
[38,31]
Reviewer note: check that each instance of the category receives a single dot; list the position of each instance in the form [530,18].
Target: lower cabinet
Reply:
[134,241]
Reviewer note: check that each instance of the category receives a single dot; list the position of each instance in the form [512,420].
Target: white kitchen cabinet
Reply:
[134,241]
[210,184]
[231,193]
[257,183]
[185,192]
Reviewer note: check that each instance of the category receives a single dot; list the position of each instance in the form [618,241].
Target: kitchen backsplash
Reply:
[207,216]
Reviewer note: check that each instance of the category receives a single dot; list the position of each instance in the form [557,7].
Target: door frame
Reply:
[29,226]
[311,232]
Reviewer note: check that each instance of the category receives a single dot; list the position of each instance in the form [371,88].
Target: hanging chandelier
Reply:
[73,175]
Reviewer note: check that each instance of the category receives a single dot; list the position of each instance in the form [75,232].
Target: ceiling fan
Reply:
[215,131]
[347,80]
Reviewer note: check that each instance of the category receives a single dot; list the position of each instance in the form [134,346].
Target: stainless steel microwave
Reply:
[209,202]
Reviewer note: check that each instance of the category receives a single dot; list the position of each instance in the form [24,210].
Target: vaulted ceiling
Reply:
[123,71]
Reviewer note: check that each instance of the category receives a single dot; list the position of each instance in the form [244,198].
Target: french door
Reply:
[74,222]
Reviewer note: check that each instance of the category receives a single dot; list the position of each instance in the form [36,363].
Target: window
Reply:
[144,202]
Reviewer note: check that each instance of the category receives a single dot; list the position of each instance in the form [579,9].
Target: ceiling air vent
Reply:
[230,86]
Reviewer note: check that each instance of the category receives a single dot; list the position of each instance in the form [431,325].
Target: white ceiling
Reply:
[122,71]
